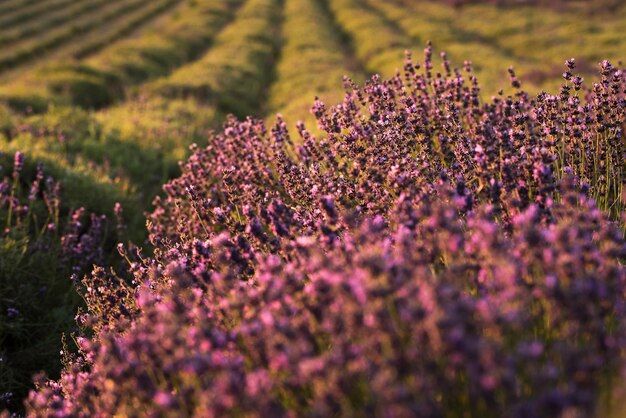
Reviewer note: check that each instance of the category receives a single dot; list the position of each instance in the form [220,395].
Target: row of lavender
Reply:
[43,244]
[428,255]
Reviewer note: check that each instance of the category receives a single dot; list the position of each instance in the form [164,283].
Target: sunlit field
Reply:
[350,208]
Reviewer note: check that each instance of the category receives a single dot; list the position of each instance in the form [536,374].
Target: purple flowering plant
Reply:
[43,244]
[427,254]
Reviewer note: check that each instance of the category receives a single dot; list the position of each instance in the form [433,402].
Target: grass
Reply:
[21,16]
[234,72]
[26,50]
[535,40]
[311,47]
[107,75]
[54,18]
[376,42]
[39,300]
[124,26]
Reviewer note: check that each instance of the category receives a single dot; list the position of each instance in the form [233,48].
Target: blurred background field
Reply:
[110,94]
[115,91]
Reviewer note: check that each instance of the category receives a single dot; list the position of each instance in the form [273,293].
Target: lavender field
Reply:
[313,208]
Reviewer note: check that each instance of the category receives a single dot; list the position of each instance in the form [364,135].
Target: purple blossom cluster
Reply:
[41,246]
[33,207]
[426,255]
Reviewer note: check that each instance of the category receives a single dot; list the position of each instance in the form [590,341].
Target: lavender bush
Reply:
[427,255]
[42,243]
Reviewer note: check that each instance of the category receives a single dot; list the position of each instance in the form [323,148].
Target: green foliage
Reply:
[377,43]
[39,289]
[102,158]
[124,26]
[311,47]
[30,48]
[82,86]
[15,12]
[535,40]
[131,129]
[63,139]
[236,70]
[180,37]
[60,15]
[44,239]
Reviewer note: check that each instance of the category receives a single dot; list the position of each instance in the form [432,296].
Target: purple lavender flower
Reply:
[425,255]
[12,313]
